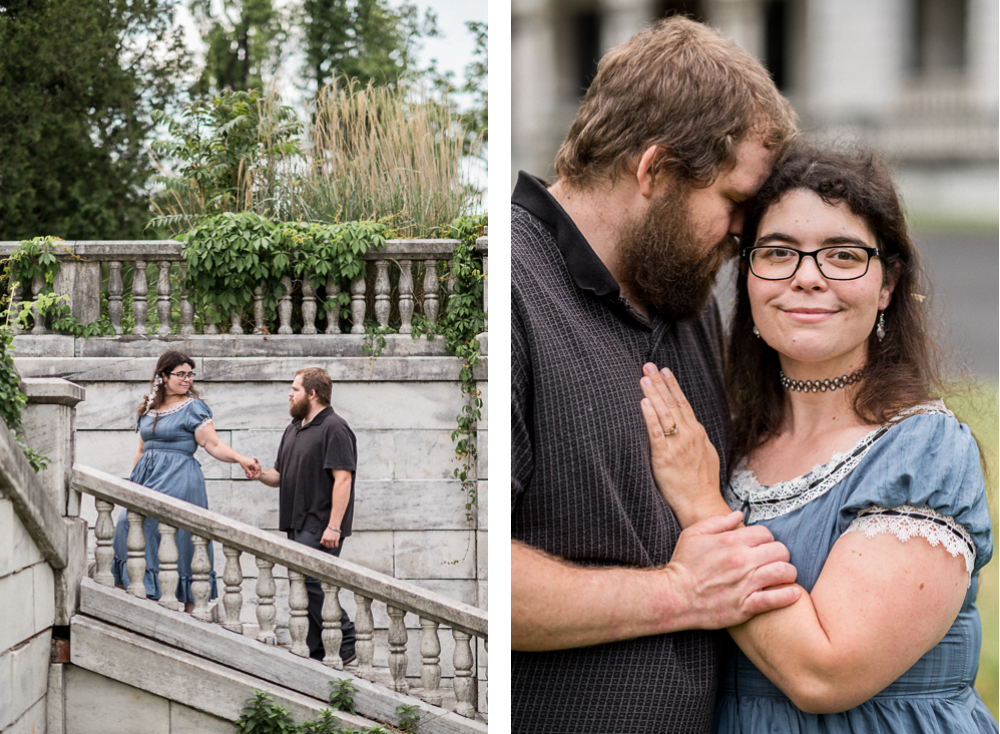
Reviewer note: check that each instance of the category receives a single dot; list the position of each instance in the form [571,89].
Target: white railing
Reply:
[400,597]
[92,272]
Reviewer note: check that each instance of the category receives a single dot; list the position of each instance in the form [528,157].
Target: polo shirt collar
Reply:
[585,267]
[318,420]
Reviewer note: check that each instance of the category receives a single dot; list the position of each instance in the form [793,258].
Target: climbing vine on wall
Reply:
[463,320]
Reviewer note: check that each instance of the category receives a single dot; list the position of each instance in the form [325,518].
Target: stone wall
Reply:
[27,613]
[91,698]
[410,519]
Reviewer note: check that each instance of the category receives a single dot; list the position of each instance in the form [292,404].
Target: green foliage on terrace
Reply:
[230,255]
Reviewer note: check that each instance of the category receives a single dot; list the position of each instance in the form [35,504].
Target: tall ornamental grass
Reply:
[376,153]
[367,153]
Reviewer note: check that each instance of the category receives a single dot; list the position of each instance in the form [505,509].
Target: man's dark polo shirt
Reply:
[306,460]
[582,487]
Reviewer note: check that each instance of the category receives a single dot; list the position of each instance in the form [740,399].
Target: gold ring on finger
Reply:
[671,431]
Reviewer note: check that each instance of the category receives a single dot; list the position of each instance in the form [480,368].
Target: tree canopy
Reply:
[84,82]
[79,80]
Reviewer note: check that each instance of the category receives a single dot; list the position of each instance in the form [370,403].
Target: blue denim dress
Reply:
[168,466]
[918,476]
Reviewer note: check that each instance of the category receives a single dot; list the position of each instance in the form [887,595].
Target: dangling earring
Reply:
[755,332]
[880,329]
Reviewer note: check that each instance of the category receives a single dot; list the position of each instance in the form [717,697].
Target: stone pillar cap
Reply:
[52,390]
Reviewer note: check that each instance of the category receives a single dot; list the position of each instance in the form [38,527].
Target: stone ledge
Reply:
[52,390]
[211,369]
[225,345]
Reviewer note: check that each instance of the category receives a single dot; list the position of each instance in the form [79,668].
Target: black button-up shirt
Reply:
[582,486]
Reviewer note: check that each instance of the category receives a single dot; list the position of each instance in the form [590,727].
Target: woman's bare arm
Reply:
[879,604]
[208,439]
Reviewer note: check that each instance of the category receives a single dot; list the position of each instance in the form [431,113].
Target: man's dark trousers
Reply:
[315,591]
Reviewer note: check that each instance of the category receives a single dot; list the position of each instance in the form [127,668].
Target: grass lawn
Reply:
[980,410]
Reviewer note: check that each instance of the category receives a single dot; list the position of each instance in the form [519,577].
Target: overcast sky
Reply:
[452,48]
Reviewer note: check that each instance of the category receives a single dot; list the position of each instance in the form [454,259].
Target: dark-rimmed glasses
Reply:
[182,375]
[840,262]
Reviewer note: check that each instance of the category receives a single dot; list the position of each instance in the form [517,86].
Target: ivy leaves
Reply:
[463,320]
[229,255]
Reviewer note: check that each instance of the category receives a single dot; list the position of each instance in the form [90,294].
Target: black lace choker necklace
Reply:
[819,385]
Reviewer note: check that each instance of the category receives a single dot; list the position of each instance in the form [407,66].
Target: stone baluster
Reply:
[308,307]
[298,604]
[139,290]
[397,649]
[258,310]
[187,310]
[168,555]
[285,307]
[235,321]
[430,654]
[201,587]
[431,285]
[115,289]
[333,317]
[135,541]
[333,636]
[36,286]
[382,306]
[358,304]
[364,645]
[104,553]
[464,683]
[265,602]
[211,328]
[163,298]
[15,302]
[232,602]
[405,297]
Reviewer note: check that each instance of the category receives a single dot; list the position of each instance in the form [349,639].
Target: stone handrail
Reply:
[80,278]
[400,597]
[37,510]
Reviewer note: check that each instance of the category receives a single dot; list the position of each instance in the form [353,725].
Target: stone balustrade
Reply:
[399,597]
[91,272]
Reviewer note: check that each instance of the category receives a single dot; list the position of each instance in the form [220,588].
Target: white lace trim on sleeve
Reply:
[204,423]
[907,522]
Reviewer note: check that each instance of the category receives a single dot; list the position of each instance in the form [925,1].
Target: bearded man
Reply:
[315,471]
[612,268]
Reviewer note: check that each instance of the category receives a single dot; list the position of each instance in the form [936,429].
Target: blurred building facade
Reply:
[918,79]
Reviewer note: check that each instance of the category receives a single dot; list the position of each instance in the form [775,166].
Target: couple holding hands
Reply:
[314,471]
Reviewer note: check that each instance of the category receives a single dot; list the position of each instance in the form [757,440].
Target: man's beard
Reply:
[662,260]
[298,410]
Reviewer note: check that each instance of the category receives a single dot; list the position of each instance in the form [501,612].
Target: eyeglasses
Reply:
[182,375]
[841,262]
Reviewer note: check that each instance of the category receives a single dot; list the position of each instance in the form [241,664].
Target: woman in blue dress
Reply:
[172,422]
[842,452]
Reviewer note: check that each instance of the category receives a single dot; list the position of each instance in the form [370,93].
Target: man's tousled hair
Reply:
[316,378]
[680,85]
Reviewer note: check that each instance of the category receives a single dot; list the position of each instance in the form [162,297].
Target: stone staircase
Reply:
[204,667]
